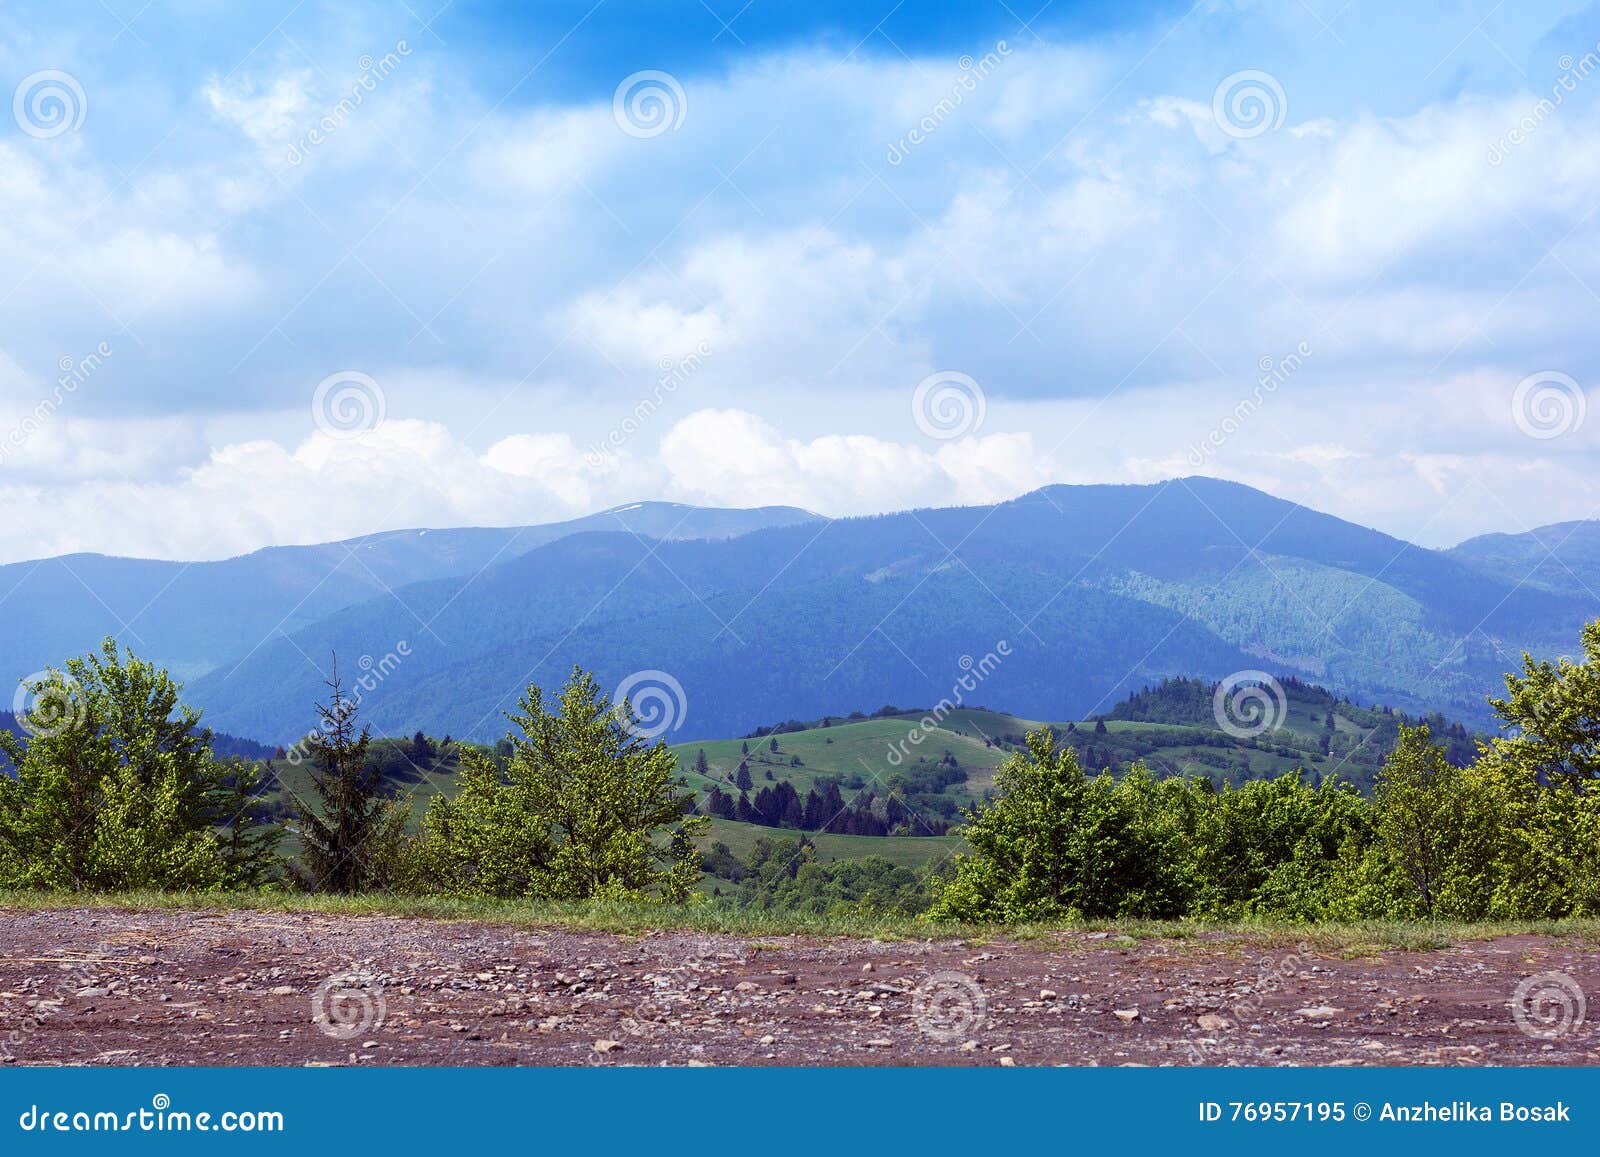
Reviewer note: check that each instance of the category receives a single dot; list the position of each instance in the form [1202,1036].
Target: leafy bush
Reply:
[114,786]
[1514,835]
[581,810]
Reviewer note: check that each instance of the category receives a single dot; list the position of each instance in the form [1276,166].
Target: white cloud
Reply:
[271,115]
[1077,234]
[734,458]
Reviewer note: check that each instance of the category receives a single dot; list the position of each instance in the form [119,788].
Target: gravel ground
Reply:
[97,986]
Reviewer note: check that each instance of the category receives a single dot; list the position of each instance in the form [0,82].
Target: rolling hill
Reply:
[918,787]
[1563,557]
[1090,592]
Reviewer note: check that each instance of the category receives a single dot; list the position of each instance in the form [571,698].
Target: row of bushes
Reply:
[113,786]
[116,788]
[1513,835]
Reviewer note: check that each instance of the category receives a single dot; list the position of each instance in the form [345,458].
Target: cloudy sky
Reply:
[300,271]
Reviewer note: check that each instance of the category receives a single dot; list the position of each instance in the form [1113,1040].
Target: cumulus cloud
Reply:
[1077,232]
[407,473]
[721,455]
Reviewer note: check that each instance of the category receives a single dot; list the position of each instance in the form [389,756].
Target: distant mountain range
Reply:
[1078,594]
[195,616]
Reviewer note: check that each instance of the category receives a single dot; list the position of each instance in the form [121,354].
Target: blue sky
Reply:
[876,257]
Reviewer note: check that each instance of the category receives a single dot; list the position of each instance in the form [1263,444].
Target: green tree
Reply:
[248,833]
[1551,713]
[1055,843]
[1533,833]
[1279,848]
[114,785]
[583,809]
[351,834]
[1417,811]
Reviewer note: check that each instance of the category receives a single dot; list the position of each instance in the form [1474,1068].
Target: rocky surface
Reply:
[234,988]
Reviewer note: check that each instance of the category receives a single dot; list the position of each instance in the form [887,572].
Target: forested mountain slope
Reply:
[1082,594]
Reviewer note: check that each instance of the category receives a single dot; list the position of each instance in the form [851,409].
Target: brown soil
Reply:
[233,988]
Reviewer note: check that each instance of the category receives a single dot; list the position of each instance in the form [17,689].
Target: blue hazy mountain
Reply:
[1563,557]
[1093,590]
[194,616]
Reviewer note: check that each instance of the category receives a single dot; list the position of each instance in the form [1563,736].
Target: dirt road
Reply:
[234,988]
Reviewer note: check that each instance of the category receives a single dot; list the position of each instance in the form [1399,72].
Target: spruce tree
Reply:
[351,836]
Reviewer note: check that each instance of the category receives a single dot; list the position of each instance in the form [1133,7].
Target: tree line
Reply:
[1514,834]
[114,786]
